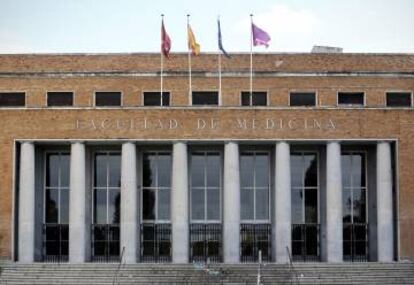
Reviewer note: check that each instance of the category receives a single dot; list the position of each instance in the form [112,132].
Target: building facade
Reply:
[314,164]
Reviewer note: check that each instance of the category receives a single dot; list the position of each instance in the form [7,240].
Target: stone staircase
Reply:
[304,273]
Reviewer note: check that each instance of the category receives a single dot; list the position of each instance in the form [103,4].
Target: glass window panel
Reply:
[246,170]
[99,204]
[259,99]
[262,203]
[114,162]
[346,205]
[165,98]
[197,204]
[213,170]
[100,170]
[164,204]
[245,99]
[149,170]
[164,170]
[351,98]
[247,204]
[114,205]
[311,206]
[197,170]
[107,99]
[12,99]
[398,99]
[52,173]
[296,170]
[52,205]
[64,206]
[359,205]
[358,170]
[205,98]
[60,98]
[346,170]
[148,204]
[64,170]
[302,99]
[262,170]
[311,170]
[152,99]
[213,204]
[297,206]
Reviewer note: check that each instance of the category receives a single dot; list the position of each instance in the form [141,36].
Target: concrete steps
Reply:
[308,273]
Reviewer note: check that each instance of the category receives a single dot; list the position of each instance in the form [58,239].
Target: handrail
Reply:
[292,270]
[115,279]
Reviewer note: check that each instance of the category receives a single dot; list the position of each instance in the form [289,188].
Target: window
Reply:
[304,195]
[107,99]
[302,99]
[106,206]
[351,98]
[201,98]
[398,99]
[59,99]
[156,99]
[354,206]
[12,99]
[255,186]
[56,207]
[254,99]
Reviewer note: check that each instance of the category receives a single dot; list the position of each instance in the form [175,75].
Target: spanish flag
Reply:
[192,43]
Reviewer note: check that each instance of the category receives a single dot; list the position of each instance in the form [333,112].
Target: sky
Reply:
[118,26]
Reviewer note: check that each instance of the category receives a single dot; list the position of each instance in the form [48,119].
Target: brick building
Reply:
[316,162]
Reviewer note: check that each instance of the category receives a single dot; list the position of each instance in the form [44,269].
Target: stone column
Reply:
[77,204]
[385,227]
[26,227]
[129,203]
[282,220]
[231,204]
[179,204]
[334,236]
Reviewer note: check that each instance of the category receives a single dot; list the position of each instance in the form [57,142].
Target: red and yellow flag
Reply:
[192,43]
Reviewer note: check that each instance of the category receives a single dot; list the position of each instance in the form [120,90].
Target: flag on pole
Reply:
[165,41]
[192,43]
[260,37]
[220,41]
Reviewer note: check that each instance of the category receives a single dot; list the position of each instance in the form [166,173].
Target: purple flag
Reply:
[260,37]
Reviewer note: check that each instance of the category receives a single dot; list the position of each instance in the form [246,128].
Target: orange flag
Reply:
[192,43]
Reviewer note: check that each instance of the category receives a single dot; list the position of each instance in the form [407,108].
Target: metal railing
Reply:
[255,238]
[115,279]
[355,242]
[105,243]
[155,242]
[205,242]
[294,276]
[55,243]
[305,242]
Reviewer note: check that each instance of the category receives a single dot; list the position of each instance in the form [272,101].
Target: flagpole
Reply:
[162,62]
[219,69]
[189,61]
[251,55]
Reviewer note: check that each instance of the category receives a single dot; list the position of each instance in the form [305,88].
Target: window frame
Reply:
[205,187]
[364,98]
[314,92]
[253,188]
[108,91]
[162,96]
[251,98]
[398,91]
[60,91]
[15,91]
[157,188]
[205,105]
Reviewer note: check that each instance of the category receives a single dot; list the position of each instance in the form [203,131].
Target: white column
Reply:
[282,221]
[26,239]
[385,226]
[179,204]
[231,202]
[334,236]
[77,204]
[129,202]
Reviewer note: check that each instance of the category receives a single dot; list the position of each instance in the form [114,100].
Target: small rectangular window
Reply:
[254,99]
[156,99]
[12,99]
[398,99]
[201,98]
[351,98]
[59,99]
[302,99]
[107,99]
